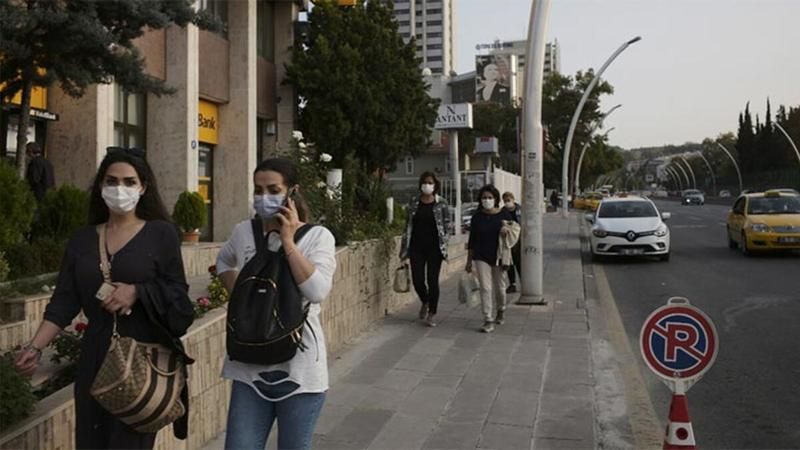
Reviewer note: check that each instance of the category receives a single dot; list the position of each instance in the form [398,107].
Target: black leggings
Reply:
[425,267]
[512,271]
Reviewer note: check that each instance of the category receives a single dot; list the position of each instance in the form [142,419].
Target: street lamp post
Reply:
[711,171]
[691,171]
[532,180]
[735,165]
[683,171]
[580,160]
[574,123]
[791,141]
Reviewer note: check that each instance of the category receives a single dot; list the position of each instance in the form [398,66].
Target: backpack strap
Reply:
[302,232]
[258,235]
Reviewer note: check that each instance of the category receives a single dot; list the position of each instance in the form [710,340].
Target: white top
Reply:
[307,372]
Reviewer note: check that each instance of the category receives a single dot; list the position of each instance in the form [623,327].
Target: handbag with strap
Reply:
[139,383]
[402,280]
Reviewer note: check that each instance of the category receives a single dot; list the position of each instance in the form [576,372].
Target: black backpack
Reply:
[265,311]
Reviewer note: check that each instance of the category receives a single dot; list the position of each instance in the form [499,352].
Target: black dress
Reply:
[150,260]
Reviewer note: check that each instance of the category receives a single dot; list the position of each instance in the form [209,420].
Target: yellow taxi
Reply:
[579,202]
[765,221]
[593,200]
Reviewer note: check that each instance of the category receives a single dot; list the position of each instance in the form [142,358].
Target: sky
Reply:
[698,63]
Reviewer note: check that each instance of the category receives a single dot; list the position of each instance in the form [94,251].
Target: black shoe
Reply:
[500,317]
[511,289]
[423,311]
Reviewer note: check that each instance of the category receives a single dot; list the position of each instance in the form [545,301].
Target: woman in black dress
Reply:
[145,256]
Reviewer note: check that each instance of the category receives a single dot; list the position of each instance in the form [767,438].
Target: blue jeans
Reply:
[250,419]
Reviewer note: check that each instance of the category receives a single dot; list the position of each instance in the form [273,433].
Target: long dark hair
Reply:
[288,171]
[150,206]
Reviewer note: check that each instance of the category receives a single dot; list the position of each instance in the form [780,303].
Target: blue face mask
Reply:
[268,205]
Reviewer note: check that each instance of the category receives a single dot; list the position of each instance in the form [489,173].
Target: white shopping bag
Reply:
[469,290]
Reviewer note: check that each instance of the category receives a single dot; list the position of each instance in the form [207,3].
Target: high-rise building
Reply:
[552,60]
[432,23]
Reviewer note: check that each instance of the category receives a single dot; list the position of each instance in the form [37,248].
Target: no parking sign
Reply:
[679,343]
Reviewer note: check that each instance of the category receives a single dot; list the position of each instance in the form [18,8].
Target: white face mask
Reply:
[427,188]
[487,203]
[121,199]
[268,205]
[510,205]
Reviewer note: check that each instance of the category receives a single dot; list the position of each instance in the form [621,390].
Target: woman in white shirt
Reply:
[291,392]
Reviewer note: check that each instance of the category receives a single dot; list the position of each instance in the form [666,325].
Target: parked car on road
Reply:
[765,221]
[724,193]
[693,197]
[629,226]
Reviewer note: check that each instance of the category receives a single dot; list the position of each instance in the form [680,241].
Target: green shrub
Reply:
[190,211]
[62,212]
[41,256]
[16,396]
[17,207]
[3,267]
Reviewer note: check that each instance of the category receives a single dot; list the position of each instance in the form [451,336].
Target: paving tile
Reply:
[345,394]
[381,398]
[562,444]
[403,431]
[418,362]
[432,346]
[450,435]
[471,404]
[400,380]
[580,427]
[331,416]
[512,407]
[505,437]
[360,427]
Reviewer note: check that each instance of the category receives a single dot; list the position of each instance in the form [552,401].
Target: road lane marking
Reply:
[749,305]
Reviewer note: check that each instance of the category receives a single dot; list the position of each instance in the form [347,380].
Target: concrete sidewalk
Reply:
[527,385]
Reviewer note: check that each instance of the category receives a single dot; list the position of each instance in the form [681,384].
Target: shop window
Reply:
[130,119]
[218,8]
[265,30]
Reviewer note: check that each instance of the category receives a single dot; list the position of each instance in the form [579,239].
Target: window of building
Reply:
[130,119]
[218,8]
[265,31]
[419,24]
[434,58]
[434,11]
[434,46]
[437,70]
[409,165]
[434,23]
[404,23]
[402,11]
[436,34]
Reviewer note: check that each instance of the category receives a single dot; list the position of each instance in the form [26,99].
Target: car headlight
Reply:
[599,232]
[759,227]
[661,232]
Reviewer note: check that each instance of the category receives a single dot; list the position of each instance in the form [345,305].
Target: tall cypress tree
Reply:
[745,143]
[78,43]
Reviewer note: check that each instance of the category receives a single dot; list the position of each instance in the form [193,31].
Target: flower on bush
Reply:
[217,295]
[301,145]
[297,134]
[322,185]
[80,327]
[67,345]
[304,159]
[325,157]
[203,301]
[212,270]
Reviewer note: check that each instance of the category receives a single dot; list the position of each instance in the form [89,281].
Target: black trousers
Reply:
[516,256]
[426,263]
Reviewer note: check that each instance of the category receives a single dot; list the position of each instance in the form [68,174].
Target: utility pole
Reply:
[532,181]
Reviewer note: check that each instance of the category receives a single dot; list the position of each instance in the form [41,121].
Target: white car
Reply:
[626,226]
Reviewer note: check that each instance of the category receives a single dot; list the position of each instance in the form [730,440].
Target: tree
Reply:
[78,43]
[359,87]
[560,97]
[745,142]
[494,120]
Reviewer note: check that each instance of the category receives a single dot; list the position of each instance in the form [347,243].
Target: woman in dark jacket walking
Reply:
[425,243]
[148,281]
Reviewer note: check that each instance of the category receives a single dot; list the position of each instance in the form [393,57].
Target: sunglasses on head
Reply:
[131,151]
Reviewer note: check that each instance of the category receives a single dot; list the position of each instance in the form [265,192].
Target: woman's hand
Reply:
[27,360]
[468,268]
[290,222]
[121,300]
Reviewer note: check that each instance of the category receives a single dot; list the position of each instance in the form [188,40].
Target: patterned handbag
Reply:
[139,383]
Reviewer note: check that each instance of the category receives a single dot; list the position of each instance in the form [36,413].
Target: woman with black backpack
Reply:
[302,259]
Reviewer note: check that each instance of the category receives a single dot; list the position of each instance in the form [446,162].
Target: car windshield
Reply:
[687,193]
[774,205]
[616,210]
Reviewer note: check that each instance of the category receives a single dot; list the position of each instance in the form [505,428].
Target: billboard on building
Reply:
[493,79]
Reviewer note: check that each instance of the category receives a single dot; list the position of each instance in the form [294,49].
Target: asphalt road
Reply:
[751,396]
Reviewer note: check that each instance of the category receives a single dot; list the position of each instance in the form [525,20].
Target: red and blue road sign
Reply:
[678,341]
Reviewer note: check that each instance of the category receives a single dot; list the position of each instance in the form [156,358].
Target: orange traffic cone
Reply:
[679,434]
